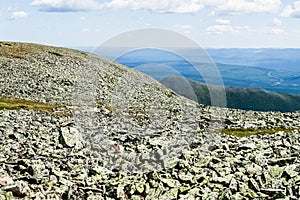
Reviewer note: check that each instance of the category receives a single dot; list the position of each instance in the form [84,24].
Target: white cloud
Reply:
[292,11]
[243,6]
[212,13]
[220,29]
[9,8]
[67,5]
[82,18]
[277,22]
[223,21]
[287,12]
[18,15]
[174,6]
[277,31]
[164,6]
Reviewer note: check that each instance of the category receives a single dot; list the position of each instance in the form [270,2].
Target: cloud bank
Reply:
[67,5]
[245,6]
[165,6]
[175,6]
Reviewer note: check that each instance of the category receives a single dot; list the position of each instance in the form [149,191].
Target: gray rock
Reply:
[253,185]
[276,171]
[170,182]
[19,189]
[233,185]
[254,169]
[274,193]
[292,170]
[185,177]
[70,137]
[247,146]
[170,194]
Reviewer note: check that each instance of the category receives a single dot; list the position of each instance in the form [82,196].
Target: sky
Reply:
[210,23]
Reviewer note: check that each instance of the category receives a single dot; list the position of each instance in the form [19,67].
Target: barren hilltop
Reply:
[77,126]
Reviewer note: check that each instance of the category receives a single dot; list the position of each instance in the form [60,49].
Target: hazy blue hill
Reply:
[241,98]
[272,58]
[276,70]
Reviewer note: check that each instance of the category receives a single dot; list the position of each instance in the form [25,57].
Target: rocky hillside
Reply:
[240,98]
[76,126]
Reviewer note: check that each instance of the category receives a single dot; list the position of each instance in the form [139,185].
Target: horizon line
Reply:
[95,47]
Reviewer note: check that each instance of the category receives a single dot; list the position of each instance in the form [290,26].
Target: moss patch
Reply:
[243,132]
[9,103]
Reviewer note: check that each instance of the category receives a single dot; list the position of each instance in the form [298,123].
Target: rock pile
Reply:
[124,136]
[40,160]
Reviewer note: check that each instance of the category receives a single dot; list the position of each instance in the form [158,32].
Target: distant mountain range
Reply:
[255,79]
[270,58]
[272,69]
[240,98]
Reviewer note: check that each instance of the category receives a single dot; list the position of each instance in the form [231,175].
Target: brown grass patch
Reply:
[243,132]
[9,103]
[17,50]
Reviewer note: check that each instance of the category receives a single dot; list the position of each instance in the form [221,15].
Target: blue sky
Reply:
[211,23]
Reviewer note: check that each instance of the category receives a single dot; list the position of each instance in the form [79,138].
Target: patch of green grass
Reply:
[243,132]
[9,103]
